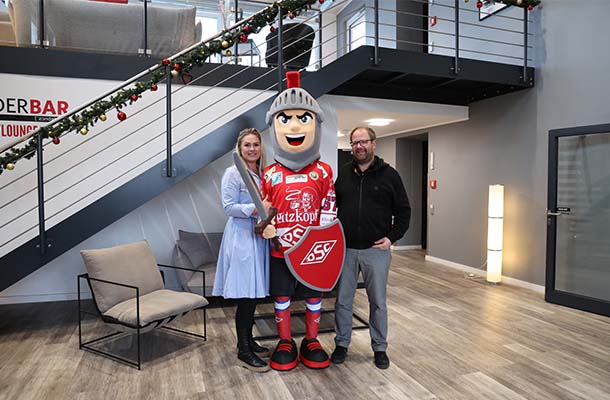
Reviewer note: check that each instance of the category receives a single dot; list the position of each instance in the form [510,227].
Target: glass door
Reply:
[578,219]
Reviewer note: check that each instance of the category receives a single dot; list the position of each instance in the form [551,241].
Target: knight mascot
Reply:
[309,244]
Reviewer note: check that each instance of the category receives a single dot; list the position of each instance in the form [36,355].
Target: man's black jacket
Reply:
[368,200]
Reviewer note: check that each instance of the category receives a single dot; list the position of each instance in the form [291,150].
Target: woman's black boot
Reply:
[245,355]
[257,348]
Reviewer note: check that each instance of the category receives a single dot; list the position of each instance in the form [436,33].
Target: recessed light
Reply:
[339,134]
[379,121]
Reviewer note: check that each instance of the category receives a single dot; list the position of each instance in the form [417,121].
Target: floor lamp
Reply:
[495,224]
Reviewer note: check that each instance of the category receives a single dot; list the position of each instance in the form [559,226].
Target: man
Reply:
[374,210]
[300,186]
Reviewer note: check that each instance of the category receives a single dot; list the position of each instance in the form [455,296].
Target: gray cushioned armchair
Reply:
[129,295]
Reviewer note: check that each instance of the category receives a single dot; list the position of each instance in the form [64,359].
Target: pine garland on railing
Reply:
[529,4]
[82,121]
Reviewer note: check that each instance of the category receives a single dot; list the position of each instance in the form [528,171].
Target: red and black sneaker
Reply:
[313,355]
[285,356]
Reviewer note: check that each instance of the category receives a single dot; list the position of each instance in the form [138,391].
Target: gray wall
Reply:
[409,166]
[506,141]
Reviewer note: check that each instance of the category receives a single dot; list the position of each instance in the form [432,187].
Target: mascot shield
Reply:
[317,258]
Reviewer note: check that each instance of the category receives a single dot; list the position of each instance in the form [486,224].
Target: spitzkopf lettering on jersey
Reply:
[303,198]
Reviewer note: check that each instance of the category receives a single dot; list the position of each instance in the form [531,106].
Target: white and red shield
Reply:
[317,258]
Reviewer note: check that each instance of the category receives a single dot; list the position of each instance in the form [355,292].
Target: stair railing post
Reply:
[525,34]
[145,28]
[376,11]
[237,41]
[456,59]
[280,53]
[41,218]
[320,39]
[168,121]
[41,32]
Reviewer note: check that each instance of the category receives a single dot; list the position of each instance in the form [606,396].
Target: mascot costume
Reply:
[309,242]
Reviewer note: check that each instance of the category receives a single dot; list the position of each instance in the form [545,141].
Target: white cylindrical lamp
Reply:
[495,225]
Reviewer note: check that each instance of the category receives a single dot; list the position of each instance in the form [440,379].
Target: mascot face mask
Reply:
[294,120]
[295,130]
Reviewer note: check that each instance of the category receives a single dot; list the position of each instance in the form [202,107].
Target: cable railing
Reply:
[65,195]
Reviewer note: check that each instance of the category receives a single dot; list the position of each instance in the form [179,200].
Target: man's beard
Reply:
[364,157]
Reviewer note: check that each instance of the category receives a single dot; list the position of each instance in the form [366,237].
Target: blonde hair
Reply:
[261,163]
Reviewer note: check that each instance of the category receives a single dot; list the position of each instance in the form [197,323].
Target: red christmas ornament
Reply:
[272,29]
[134,97]
[153,87]
[55,140]
[479,4]
[166,61]
[530,7]
[243,38]
[121,116]
[291,15]
[246,28]
[321,1]
[177,67]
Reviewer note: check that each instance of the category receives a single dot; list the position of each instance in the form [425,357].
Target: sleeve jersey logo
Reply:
[269,173]
[276,178]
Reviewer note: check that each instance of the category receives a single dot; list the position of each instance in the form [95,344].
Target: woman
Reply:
[242,271]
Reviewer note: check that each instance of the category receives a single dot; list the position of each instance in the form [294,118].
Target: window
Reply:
[356,31]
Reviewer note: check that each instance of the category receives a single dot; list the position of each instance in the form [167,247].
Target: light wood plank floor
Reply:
[450,338]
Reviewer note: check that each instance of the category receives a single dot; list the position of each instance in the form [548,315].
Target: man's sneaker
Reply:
[313,355]
[285,356]
[381,360]
[339,355]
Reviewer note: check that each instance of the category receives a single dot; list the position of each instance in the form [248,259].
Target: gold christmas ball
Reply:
[84,131]
[10,166]
[174,73]
[229,53]
[519,2]
[103,117]
[224,44]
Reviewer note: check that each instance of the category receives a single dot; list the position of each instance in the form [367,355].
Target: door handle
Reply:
[553,214]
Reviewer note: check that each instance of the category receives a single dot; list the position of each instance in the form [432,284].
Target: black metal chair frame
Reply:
[356,315]
[137,328]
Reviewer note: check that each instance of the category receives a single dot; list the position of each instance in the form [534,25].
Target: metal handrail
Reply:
[133,79]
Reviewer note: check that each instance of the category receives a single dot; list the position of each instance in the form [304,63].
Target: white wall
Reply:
[193,205]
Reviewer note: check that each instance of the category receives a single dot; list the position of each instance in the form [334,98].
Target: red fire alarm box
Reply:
[432,183]
[433,20]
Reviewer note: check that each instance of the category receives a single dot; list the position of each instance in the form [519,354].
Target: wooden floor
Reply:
[450,338]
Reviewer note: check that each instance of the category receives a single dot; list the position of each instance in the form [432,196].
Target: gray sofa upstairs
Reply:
[105,27]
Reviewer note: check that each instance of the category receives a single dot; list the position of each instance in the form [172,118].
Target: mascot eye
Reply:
[283,119]
[305,119]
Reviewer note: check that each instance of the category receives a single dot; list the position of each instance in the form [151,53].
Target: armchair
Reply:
[129,295]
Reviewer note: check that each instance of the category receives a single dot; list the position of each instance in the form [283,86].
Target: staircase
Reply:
[130,161]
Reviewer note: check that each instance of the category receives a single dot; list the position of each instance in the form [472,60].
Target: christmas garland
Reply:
[529,4]
[81,122]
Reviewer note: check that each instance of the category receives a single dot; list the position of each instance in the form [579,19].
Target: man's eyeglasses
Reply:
[360,142]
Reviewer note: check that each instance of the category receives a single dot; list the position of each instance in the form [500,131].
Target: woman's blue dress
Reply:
[243,263]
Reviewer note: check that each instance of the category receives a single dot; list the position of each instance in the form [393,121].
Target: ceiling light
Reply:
[339,134]
[379,121]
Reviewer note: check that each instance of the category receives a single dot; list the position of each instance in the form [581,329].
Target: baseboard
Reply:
[479,272]
[41,298]
[411,247]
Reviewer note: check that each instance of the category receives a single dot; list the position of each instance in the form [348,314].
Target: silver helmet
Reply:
[290,99]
